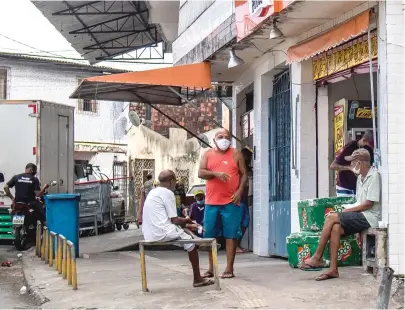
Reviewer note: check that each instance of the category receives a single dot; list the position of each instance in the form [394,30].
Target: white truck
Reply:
[38,132]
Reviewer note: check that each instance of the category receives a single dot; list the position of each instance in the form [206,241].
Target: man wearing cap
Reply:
[361,215]
[197,209]
[346,179]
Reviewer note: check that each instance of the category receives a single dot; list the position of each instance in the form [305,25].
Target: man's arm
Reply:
[170,205]
[365,205]
[203,173]
[337,167]
[9,184]
[242,171]
[337,163]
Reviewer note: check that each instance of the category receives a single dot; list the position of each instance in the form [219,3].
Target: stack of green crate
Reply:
[312,214]
[6,224]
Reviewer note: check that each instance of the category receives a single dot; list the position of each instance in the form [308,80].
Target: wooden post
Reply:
[384,291]
[143,268]
[60,253]
[38,239]
[46,245]
[43,237]
[215,264]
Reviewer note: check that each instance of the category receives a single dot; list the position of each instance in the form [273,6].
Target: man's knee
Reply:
[332,218]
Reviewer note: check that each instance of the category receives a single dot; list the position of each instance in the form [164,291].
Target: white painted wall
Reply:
[191,35]
[391,51]
[34,81]
[144,143]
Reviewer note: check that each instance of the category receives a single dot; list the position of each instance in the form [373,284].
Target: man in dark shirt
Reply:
[27,186]
[346,182]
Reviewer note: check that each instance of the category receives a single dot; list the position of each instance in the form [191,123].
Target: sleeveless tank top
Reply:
[219,192]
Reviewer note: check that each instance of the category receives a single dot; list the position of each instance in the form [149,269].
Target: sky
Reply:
[21,21]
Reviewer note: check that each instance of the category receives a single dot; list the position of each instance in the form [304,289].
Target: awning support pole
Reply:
[211,119]
[373,110]
[143,100]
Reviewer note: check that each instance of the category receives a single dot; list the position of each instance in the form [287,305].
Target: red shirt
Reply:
[219,192]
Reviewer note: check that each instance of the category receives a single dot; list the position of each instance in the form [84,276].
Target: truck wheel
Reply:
[126,226]
[119,226]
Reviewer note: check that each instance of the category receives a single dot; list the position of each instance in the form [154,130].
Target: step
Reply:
[6,224]
[5,218]
[6,236]
[6,229]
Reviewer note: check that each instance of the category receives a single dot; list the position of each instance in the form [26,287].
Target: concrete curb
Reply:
[32,289]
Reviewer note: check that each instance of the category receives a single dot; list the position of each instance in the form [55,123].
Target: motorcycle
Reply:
[25,219]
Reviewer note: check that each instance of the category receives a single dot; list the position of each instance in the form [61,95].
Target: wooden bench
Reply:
[374,249]
[196,241]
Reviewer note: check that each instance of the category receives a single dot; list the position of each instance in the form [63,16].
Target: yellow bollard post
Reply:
[56,252]
[52,237]
[43,244]
[143,268]
[69,262]
[38,239]
[46,245]
[215,264]
[60,253]
[73,266]
[64,260]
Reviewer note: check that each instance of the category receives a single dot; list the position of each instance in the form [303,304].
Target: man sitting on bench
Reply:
[363,214]
[161,222]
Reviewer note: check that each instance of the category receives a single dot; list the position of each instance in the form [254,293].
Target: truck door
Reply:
[63,160]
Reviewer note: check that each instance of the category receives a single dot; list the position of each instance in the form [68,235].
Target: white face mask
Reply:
[223,144]
[356,169]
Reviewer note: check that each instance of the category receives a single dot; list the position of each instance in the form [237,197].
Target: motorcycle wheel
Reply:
[119,226]
[126,226]
[19,240]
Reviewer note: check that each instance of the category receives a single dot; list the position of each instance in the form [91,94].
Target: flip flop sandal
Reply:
[207,275]
[307,267]
[204,283]
[227,275]
[325,276]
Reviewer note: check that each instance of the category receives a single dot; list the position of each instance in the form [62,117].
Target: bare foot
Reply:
[240,250]
[331,274]
[203,282]
[311,263]
[208,274]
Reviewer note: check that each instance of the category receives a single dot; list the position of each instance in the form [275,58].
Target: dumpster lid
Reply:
[62,196]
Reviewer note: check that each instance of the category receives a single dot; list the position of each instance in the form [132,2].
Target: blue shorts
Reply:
[223,221]
[245,216]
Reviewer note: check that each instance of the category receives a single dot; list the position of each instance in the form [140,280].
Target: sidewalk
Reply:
[112,280]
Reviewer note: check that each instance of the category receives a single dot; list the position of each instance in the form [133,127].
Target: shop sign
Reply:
[100,147]
[259,8]
[343,57]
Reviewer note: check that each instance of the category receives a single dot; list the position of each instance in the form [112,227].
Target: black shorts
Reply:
[353,222]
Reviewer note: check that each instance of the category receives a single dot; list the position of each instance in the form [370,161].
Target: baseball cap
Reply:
[360,154]
[199,192]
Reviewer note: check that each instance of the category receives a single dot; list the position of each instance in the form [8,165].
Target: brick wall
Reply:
[196,117]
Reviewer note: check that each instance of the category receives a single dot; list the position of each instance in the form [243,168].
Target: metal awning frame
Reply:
[113,27]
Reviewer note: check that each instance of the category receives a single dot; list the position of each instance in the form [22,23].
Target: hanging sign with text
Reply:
[100,147]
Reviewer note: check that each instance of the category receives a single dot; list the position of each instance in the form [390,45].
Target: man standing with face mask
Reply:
[225,171]
[363,214]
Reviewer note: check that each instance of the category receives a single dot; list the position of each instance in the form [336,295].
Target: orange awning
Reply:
[330,39]
[158,86]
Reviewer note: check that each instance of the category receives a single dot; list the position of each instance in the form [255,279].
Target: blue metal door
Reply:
[279,161]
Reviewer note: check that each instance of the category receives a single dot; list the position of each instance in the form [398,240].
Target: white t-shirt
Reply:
[159,208]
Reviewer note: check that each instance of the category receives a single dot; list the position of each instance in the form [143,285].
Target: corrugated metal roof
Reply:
[102,29]
[71,63]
